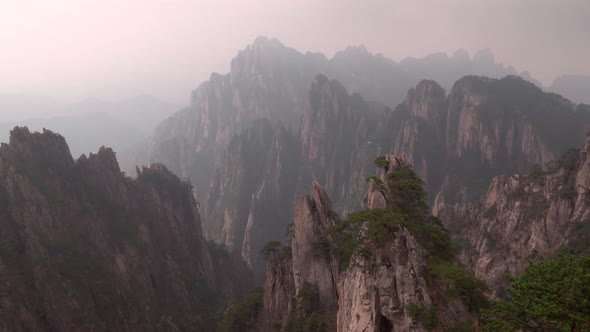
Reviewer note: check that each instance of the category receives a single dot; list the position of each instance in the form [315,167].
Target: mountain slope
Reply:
[268,79]
[378,270]
[83,247]
[525,217]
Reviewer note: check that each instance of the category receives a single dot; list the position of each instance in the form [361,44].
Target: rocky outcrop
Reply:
[83,247]
[524,218]
[457,143]
[313,214]
[372,293]
[484,128]
[334,126]
[270,80]
[297,270]
[251,198]
[380,300]
[499,127]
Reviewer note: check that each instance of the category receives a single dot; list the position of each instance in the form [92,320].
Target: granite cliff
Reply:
[378,270]
[84,247]
[270,80]
[458,143]
[525,218]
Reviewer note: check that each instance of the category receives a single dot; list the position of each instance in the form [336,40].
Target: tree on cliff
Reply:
[270,249]
[549,296]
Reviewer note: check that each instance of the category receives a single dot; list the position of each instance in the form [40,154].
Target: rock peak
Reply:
[427,100]
[44,147]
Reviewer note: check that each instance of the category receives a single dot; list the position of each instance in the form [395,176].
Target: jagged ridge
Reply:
[84,247]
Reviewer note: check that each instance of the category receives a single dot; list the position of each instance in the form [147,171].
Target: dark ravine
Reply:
[83,247]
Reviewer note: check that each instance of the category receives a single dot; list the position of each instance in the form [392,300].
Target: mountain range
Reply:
[362,194]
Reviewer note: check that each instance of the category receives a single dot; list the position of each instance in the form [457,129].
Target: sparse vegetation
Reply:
[269,251]
[426,316]
[307,316]
[241,316]
[381,162]
[365,232]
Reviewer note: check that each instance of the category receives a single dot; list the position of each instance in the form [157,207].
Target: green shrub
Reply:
[459,284]
[426,316]
[407,188]
[316,323]
[549,296]
[381,162]
[240,317]
[463,326]
[270,249]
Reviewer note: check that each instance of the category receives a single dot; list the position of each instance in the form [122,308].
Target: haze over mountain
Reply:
[89,124]
[381,166]
[64,49]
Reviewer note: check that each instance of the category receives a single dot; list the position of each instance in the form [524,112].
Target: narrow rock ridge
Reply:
[313,214]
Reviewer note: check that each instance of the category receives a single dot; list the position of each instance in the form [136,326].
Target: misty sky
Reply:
[75,49]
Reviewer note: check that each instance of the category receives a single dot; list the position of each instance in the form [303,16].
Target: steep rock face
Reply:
[297,270]
[250,199]
[523,218]
[280,300]
[336,124]
[416,129]
[266,80]
[500,127]
[313,214]
[376,297]
[375,302]
[368,295]
[270,80]
[82,247]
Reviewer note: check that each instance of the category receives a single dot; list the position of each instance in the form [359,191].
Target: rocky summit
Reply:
[380,269]
[84,247]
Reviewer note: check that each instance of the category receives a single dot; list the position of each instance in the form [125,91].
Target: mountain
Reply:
[525,218]
[382,269]
[574,87]
[84,247]
[270,80]
[247,171]
[459,142]
[89,124]
[503,126]
[251,195]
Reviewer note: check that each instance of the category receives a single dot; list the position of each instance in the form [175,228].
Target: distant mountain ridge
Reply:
[252,139]
[89,124]
[268,79]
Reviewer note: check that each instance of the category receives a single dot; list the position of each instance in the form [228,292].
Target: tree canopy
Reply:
[552,295]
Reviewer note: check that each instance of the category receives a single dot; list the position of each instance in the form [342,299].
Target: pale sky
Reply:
[111,49]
